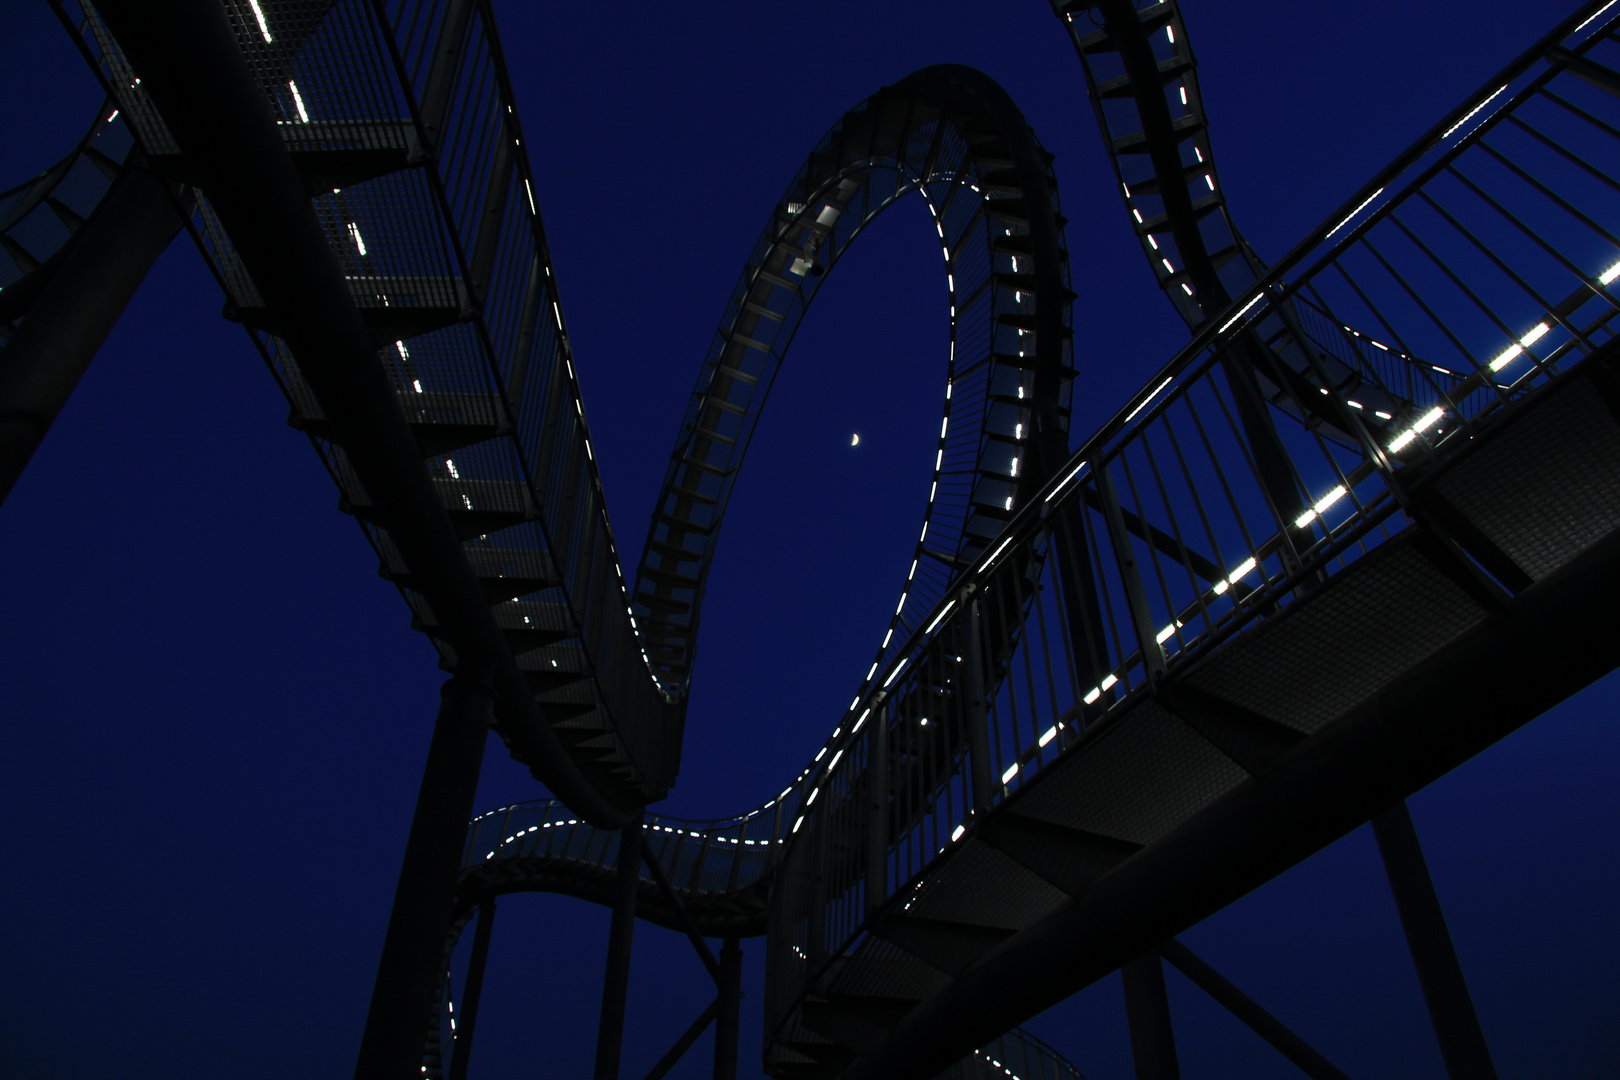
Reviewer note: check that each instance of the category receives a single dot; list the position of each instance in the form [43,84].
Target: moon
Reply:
[855,439]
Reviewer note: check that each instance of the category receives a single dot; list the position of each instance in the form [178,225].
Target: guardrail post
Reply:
[1451,1009]
[1088,637]
[409,972]
[728,1022]
[462,1041]
[817,945]
[1135,595]
[616,981]
[441,78]
[974,717]
[877,810]
[1147,1009]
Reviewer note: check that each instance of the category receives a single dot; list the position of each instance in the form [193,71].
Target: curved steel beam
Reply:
[1424,724]
[951,134]
[103,265]
[581,644]
[193,70]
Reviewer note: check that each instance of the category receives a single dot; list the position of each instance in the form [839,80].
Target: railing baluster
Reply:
[1135,595]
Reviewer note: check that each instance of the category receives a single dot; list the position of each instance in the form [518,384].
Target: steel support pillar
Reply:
[407,987]
[728,1021]
[472,992]
[1451,1009]
[691,1035]
[1240,1005]
[621,933]
[1147,1008]
[72,316]
[191,66]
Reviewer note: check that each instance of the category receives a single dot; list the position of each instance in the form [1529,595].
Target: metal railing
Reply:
[1369,352]
[401,119]
[721,856]
[1469,275]
[39,216]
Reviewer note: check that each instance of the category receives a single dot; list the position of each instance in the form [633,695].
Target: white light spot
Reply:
[1508,355]
[298,102]
[258,13]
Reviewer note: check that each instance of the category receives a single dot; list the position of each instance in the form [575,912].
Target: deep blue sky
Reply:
[214,714]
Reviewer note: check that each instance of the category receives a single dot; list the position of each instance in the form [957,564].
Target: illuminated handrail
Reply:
[1164,537]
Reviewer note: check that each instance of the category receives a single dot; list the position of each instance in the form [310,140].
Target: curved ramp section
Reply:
[951,135]
[1273,678]
[721,869]
[1143,82]
[1142,78]
[722,873]
[403,135]
[1115,717]
[40,216]
[1104,731]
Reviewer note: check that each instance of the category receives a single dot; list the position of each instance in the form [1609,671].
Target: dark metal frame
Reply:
[1324,430]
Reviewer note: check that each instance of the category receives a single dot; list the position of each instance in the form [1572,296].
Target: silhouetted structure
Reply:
[1099,712]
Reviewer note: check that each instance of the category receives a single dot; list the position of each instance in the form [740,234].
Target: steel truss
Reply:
[1088,725]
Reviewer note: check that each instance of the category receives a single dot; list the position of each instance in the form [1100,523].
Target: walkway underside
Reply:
[1048,900]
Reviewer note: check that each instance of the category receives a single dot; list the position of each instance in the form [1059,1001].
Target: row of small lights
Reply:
[556,310]
[1248,566]
[569,823]
[1245,568]
[939,458]
[359,241]
[1209,177]
[1507,356]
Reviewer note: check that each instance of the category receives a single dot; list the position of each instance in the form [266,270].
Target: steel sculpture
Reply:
[1088,725]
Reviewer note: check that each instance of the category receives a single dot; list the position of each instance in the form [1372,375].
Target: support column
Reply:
[616,981]
[473,991]
[1240,1005]
[407,988]
[1147,1008]
[728,1022]
[1451,1009]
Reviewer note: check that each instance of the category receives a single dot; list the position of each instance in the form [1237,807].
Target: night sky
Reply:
[215,714]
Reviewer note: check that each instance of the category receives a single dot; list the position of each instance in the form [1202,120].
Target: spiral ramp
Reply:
[1087,726]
